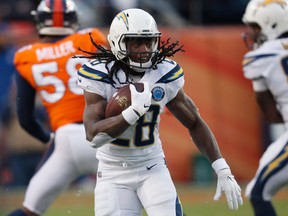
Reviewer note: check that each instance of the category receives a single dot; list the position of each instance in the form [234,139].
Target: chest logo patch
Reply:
[158,93]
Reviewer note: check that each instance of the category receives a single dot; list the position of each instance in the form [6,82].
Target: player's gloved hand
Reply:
[227,184]
[140,103]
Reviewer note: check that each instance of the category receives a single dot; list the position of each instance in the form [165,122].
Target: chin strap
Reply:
[139,67]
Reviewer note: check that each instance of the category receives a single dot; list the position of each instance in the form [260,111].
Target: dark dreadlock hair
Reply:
[166,49]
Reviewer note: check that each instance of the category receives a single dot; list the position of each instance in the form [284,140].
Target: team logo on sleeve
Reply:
[158,93]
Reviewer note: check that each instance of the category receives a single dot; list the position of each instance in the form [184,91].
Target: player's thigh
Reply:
[272,171]
[158,194]
[275,183]
[74,146]
[115,196]
[50,180]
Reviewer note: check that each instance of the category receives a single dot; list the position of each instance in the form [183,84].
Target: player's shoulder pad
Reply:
[260,55]
[94,70]
[169,71]
[96,34]
[22,53]
[88,30]
[249,59]
[256,63]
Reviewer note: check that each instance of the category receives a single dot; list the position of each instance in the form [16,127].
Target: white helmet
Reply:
[133,23]
[270,15]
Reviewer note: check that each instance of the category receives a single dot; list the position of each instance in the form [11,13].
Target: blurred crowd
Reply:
[167,12]
[19,152]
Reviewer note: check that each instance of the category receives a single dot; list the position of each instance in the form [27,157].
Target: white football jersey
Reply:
[267,67]
[140,141]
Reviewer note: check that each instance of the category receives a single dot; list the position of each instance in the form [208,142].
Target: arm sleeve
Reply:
[25,110]
[259,85]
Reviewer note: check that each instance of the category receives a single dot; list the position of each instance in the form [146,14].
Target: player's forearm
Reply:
[271,114]
[205,141]
[105,131]
[268,106]
[113,126]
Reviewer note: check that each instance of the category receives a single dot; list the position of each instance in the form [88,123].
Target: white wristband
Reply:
[220,164]
[130,115]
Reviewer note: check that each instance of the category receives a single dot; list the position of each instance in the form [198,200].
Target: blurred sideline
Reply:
[75,200]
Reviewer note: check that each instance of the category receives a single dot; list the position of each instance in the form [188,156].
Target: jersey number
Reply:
[144,130]
[43,76]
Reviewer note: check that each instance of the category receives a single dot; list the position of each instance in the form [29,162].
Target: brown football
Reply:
[121,100]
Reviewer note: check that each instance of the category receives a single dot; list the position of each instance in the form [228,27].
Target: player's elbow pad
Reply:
[101,139]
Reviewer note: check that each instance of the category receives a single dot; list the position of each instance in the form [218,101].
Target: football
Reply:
[121,100]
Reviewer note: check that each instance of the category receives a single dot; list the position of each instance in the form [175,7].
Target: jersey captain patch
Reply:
[158,93]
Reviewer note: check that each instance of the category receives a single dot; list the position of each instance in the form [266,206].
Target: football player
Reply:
[132,170]
[48,69]
[266,66]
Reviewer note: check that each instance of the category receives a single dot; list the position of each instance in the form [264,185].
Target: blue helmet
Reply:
[56,17]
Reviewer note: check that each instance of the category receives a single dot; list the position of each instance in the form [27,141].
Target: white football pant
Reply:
[122,189]
[72,158]
[272,173]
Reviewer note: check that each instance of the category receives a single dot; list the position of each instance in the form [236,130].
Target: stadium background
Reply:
[211,34]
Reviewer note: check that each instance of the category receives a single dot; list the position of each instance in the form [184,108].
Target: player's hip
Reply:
[108,170]
[71,141]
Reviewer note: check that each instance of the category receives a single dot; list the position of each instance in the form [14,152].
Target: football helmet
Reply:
[270,15]
[134,23]
[56,17]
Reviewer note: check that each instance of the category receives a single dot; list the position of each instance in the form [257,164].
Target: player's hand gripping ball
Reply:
[121,100]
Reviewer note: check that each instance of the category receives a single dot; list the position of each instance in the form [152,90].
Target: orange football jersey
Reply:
[51,69]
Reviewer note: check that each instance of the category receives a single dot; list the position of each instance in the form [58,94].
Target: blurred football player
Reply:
[132,170]
[266,65]
[48,69]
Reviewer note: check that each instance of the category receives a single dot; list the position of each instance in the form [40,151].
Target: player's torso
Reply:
[52,71]
[142,139]
[271,62]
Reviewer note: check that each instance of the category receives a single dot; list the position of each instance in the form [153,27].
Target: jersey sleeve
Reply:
[98,37]
[259,85]
[173,79]
[175,86]
[22,59]
[87,77]
[85,37]
[256,66]
[25,110]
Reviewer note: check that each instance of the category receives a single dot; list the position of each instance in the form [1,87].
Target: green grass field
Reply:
[196,200]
